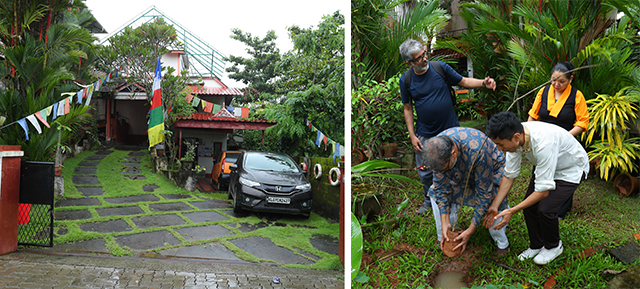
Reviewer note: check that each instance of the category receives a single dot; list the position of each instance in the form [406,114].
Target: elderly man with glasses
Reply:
[467,168]
[428,91]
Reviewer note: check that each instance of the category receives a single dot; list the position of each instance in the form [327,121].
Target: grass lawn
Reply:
[291,232]
[405,253]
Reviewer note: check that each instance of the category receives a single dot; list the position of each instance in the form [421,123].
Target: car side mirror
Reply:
[305,173]
[233,167]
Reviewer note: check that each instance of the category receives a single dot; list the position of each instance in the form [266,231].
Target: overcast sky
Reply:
[212,21]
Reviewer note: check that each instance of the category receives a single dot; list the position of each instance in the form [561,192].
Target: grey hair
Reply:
[436,154]
[410,47]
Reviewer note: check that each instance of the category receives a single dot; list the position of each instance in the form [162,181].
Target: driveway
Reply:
[115,204]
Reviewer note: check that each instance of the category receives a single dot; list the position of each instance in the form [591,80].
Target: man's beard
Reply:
[420,68]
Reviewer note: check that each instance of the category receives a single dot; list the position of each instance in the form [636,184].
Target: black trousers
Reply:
[542,217]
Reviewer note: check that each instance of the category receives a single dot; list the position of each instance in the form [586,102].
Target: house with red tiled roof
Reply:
[122,108]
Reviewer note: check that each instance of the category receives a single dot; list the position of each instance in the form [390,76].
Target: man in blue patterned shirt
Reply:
[468,169]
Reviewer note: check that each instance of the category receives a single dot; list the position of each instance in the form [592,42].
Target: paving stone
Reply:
[309,255]
[158,221]
[204,232]
[62,231]
[627,253]
[94,158]
[132,199]
[264,248]
[85,171]
[80,180]
[90,191]
[137,154]
[94,246]
[78,202]
[215,251]
[137,178]
[246,227]
[325,243]
[231,213]
[130,164]
[173,196]
[626,280]
[103,153]
[73,215]
[88,164]
[150,188]
[201,217]
[106,226]
[146,241]
[131,171]
[120,211]
[132,159]
[170,207]
[212,204]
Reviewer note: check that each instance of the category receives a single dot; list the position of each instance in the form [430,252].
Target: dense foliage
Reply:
[308,84]
[47,52]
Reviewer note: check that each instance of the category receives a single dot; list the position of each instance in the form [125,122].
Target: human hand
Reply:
[446,226]
[417,144]
[506,217]
[463,238]
[490,83]
[489,217]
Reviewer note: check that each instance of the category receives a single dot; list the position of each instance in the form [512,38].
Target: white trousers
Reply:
[499,236]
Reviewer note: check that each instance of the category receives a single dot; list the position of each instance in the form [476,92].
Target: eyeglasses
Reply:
[420,57]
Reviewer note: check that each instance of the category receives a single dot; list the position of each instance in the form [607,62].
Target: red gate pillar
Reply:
[9,196]
[343,219]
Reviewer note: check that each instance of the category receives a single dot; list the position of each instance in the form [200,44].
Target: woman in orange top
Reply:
[562,105]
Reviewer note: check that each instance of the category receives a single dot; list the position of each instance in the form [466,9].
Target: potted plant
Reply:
[378,118]
[190,155]
[608,134]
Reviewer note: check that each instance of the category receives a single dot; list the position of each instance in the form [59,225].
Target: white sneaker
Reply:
[528,254]
[547,255]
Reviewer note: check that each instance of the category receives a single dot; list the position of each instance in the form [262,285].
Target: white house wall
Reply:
[206,141]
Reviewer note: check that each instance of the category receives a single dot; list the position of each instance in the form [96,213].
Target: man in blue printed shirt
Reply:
[468,169]
[429,94]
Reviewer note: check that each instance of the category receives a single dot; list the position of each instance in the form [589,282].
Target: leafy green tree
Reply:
[312,87]
[137,50]
[257,71]
[43,42]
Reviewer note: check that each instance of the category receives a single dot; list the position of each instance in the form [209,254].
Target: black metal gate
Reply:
[35,222]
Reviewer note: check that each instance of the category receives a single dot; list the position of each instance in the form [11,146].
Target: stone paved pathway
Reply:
[179,225]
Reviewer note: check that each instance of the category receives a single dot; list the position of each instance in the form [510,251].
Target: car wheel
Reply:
[229,193]
[236,205]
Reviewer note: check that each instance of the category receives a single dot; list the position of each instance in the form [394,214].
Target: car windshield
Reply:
[231,157]
[270,162]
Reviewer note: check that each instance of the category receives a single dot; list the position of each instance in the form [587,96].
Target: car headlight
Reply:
[303,187]
[249,183]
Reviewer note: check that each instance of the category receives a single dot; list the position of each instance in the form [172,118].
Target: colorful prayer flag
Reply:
[42,116]
[245,112]
[216,108]
[208,107]
[156,119]
[25,127]
[189,97]
[195,102]
[32,119]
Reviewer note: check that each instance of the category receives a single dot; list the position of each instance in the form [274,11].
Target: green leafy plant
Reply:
[377,115]
[610,118]
[190,154]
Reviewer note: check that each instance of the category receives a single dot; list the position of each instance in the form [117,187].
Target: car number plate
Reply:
[279,200]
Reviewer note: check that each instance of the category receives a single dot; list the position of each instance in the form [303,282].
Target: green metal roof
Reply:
[204,60]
